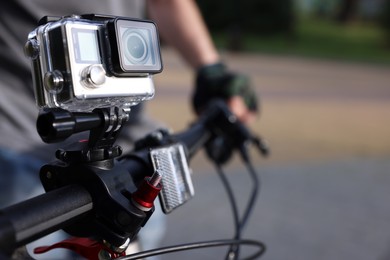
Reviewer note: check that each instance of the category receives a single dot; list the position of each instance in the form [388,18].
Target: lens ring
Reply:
[135,47]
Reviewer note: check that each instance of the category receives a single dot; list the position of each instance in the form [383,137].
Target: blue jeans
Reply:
[19,180]
[19,177]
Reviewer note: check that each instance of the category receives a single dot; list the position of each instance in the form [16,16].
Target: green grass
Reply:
[322,39]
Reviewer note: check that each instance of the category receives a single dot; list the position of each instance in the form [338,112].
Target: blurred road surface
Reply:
[325,189]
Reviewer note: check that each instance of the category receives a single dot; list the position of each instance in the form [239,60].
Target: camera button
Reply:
[54,81]
[94,75]
[31,49]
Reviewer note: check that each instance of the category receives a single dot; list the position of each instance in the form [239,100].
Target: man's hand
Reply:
[238,107]
[215,81]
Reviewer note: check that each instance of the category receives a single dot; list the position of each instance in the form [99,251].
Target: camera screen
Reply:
[85,45]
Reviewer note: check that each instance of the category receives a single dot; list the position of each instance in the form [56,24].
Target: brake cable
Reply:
[239,224]
[197,245]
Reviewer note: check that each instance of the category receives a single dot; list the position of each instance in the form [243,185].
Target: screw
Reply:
[155,179]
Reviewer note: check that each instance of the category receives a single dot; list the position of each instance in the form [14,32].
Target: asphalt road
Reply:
[334,210]
[325,189]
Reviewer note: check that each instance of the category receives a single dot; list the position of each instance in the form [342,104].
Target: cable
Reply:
[239,225]
[256,185]
[233,251]
[231,198]
[198,245]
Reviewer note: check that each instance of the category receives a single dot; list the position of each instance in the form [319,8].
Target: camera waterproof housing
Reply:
[84,62]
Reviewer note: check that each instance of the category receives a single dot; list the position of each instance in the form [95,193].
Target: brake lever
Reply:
[230,133]
[261,145]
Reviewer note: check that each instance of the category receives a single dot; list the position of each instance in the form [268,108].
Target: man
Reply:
[180,25]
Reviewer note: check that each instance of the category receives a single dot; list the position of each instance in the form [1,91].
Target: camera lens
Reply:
[136,48]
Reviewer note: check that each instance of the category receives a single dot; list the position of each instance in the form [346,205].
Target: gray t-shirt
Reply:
[18,111]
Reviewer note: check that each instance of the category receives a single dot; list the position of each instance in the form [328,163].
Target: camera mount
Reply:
[104,124]
[91,164]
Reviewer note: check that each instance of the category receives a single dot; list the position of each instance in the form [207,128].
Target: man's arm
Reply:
[181,25]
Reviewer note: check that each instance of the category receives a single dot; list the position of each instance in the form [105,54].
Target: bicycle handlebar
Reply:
[42,215]
[68,205]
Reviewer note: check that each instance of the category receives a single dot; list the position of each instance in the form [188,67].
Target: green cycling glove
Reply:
[216,81]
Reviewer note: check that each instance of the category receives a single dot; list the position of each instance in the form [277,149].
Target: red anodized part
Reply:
[146,194]
[85,247]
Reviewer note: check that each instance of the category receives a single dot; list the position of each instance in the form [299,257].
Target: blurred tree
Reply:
[268,16]
[323,8]
[385,20]
[347,10]
[238,17]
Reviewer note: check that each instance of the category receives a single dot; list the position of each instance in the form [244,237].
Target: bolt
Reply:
[155,179]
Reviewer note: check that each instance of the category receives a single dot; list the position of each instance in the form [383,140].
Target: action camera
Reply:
[84,62]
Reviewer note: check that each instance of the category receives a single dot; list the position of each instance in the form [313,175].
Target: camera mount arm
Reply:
[104,124]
